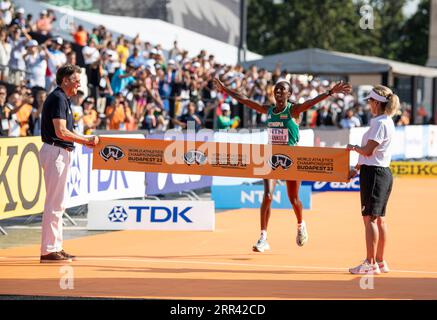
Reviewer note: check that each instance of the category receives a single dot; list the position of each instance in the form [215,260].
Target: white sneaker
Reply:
[366,268]
[302,234]
[261,245]
[383,267]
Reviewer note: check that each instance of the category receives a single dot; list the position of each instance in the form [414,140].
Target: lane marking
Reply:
[320,268]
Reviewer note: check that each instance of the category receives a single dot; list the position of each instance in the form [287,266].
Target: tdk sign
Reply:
[157,214]
[151,215]
[162,214]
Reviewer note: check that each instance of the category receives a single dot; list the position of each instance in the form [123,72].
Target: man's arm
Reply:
[63,133]
[241,98]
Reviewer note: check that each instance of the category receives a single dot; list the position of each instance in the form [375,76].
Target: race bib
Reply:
[278,135]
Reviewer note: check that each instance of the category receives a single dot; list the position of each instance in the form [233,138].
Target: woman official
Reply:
[376,180]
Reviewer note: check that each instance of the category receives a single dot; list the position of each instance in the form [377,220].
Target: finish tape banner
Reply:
[414,169]
[223,159]
[22,190]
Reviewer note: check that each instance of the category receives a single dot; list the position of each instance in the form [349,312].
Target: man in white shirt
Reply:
[36,65]
[91,53]
[56,59]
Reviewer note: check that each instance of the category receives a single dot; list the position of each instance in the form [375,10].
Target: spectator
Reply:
[190,118]
[123,50]
[422,115]
[150,122]
[55,59]
[5,12]
[14,103]
[30,26]
[111,60]
[77,109]
[325,116]
[35,118]
[363,114]
[4,113]
[224,121]
[24,112]
[36,65]
[80,36]
[19,19]
[44,23]
[135,59]
[16,62]
[350,120]
[5,54]
[91,53]
[403,118]
[122,79]
[95,36]
[175,51]
[118,114]
[91,119]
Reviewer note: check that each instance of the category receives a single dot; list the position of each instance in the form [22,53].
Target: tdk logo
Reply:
[158,214]
[118,214]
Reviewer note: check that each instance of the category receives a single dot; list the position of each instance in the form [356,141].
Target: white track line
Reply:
[227,264]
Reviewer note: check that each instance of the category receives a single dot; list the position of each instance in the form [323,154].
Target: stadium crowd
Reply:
[128,84]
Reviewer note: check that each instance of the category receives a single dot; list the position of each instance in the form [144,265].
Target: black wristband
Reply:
[329,92]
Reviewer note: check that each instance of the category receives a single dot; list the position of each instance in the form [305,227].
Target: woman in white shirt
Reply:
[376,180]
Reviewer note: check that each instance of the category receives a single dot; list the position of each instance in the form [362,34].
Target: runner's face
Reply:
[282,92]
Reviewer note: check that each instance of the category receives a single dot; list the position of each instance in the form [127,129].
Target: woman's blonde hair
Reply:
[393,104]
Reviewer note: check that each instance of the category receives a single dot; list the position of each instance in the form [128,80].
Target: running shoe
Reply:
[366,268]
[261,245]
[302,234]
[383,267]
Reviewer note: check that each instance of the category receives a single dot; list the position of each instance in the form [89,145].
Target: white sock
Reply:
[264,234]
[301,224]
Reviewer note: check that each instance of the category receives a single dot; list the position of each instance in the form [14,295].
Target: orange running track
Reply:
[221,265]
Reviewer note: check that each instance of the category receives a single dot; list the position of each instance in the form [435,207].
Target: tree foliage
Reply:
[335,25]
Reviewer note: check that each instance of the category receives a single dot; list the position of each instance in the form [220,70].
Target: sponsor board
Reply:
[85,184]
[22,187]
[322,186]
[251,196]
[414,142]
[163,183]
[151,215]
[431,139]
[414,169]
[226,159]
[22,190]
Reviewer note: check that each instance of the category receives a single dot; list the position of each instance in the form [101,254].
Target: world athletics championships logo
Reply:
[113,152]
[118,214]
[195,157]
[280,160]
